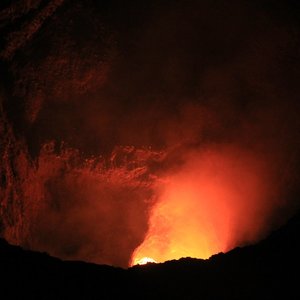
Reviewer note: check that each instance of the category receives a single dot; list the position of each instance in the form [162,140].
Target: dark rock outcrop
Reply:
[267,270]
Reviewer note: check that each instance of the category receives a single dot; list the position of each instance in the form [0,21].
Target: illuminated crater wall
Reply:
[132,130]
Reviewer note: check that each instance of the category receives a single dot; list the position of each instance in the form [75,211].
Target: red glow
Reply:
[210,205]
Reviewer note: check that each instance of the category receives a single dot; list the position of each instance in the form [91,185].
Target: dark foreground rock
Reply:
[267,270]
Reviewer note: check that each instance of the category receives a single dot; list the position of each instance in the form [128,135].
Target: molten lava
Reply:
[144,261]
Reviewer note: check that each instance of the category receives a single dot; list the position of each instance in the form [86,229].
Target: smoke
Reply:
[90,211]
[222,196]
[168,124]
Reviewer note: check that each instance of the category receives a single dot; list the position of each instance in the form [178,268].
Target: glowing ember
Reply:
[144,261]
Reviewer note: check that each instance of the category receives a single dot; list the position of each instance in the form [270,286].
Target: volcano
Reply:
[143,138]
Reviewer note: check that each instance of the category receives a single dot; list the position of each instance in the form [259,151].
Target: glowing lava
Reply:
[144,261]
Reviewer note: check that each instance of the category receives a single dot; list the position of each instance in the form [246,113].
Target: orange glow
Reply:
[202,208]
